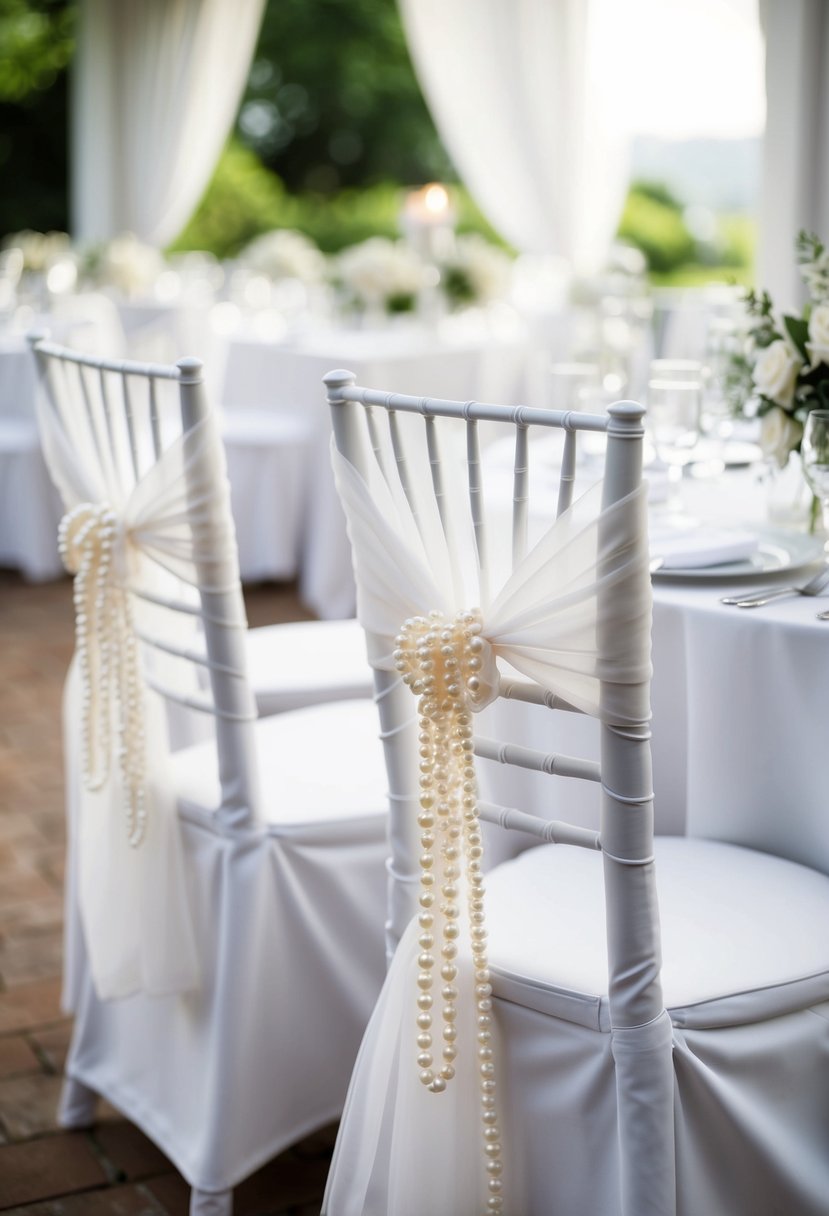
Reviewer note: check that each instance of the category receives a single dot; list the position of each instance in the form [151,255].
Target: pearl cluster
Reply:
[108,658]
[441,661]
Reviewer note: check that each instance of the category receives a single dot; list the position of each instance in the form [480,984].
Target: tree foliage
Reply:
[37,41]
[333,101]
[36,44]
[245,199]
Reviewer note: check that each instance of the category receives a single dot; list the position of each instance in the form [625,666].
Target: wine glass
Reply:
[721,344]
[814,457]
[674,399]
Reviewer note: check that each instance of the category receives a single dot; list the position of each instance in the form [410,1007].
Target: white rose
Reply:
[775,373]
[779,434]
[818,344]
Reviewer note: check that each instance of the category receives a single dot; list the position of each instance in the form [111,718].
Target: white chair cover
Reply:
[243,934]
[731,1083]
[401,1149]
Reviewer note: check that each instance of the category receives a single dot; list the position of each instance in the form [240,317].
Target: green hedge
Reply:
[244,199]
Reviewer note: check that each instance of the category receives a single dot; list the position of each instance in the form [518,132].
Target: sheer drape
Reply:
[796,151]
[156,88]
[512,91]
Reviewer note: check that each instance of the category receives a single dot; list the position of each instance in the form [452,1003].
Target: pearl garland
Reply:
[108,658]
[443,663]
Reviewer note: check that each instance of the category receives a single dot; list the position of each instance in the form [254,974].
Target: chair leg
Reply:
[78,1104]
[215,1203]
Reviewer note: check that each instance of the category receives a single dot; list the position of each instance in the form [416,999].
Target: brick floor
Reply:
[112,1170]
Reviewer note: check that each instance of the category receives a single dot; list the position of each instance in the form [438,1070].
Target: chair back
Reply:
[139,442]
[459,599]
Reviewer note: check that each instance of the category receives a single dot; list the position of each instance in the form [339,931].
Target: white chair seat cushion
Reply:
[318,767]
[306,662]
[732,931]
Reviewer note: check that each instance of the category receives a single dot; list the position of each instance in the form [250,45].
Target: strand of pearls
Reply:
[441,663]
[107,657]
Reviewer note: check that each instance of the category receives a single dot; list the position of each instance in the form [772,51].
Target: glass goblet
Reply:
[814,457]
[674,416]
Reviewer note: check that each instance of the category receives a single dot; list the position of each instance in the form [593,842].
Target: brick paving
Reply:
[112,1170]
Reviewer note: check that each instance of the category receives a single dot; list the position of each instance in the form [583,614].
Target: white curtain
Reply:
[796,150]
[516,99]
[156,87]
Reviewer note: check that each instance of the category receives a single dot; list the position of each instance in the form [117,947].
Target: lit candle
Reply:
[428,219]
[429,206]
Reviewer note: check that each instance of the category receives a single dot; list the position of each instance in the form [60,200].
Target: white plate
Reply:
[776,552]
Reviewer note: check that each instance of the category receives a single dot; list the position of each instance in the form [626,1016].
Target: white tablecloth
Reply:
[29,505]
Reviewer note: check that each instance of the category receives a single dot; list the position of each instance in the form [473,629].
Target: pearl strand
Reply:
[440,661]
[107,658]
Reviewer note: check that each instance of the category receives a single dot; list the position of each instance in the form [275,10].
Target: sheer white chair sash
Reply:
[584,581]
[582,577]
[132,888]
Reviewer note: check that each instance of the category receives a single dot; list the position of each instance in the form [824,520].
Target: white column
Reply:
[795,191]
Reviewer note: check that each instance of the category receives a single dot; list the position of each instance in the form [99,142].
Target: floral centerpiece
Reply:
[474,273]
[781,373]
[39,250]
[284,254]
[124,263]
[379,275]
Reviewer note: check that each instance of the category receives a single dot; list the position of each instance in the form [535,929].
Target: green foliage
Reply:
[808,247]
[37,41]
[798,330]
[658,230]
[244,200]
[653,221]
[764,329]
[333,102]
[657,192]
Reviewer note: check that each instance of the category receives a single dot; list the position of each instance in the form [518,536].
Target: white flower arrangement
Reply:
[381,274]
[125,263]
[476,272]
[39,249]
[284,254]
[782,373]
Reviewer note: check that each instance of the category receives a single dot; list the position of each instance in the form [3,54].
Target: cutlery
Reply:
[813,587]
[823,616]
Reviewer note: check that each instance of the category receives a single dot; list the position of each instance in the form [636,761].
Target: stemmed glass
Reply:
[814,457]
[674,399]
[722,342]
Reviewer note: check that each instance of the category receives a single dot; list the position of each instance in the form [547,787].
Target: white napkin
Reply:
[691,545]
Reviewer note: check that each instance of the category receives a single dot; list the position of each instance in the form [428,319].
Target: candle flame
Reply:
[435,199]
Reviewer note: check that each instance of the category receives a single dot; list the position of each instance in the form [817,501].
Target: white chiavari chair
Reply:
[555,1067]
[225,900]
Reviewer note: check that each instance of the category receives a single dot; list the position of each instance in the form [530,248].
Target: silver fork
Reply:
[814,586]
